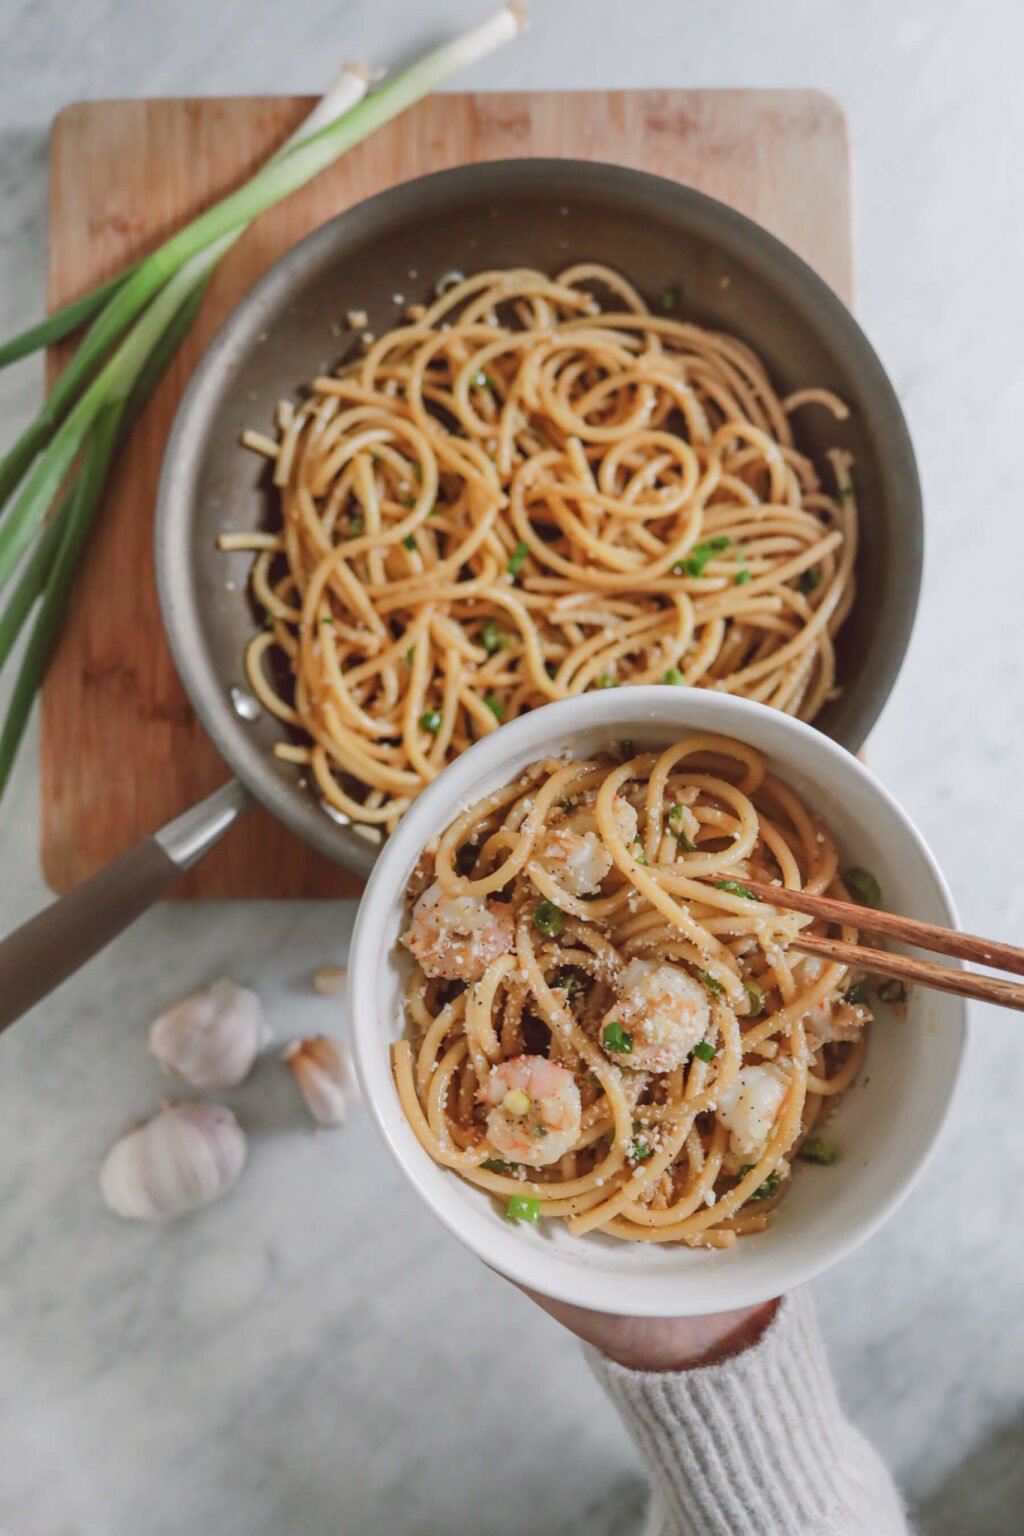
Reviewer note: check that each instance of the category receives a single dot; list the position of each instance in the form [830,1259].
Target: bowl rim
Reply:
[435,807]
[733,233]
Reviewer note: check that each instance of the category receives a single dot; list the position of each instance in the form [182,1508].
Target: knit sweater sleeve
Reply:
[756,1445]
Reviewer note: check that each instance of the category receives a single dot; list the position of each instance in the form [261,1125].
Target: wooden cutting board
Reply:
[121,750]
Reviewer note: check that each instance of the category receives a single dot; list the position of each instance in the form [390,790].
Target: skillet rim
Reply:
[731,232]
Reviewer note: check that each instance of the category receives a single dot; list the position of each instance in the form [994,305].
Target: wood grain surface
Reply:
[121,751]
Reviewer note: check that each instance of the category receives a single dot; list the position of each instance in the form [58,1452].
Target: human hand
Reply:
[662,1343]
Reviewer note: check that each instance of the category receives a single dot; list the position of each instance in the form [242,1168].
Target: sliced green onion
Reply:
[677,826]
[615,1038]
[755,995]
[863,887]
[493,639]
[855,995]
[548,919]
[697,559]
[816,1149]
[763,1191]
[410,539]
[639,1151]
[736,889]
[498,1165]
[522,1208]
[568,983]
[430,720]
[518,555]
[892,991]
[704,1051]
[809,579]
[481,380]
[494,704]
[637,851]
[603,680]
[675,677]
[714,987]
[741,578]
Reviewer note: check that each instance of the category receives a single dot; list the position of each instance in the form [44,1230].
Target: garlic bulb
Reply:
[187,1155]
[326,1077]
[211,1038]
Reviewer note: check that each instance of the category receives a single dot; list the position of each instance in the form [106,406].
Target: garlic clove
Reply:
[210,1039]
[326,1077]
[330,980]
[186,1156]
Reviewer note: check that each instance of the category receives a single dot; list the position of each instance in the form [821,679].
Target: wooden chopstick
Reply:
[943,941]
[923,973]
[880,962]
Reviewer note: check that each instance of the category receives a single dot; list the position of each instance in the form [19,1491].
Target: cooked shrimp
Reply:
[749,1108]
[458,936]
[574,853]
[661,1011]
[833,1018]
[535,1110]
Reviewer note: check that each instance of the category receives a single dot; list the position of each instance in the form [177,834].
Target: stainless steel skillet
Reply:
[379,256]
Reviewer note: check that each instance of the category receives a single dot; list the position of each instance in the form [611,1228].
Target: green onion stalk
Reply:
[59,465]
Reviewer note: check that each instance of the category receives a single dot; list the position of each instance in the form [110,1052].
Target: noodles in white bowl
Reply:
[604,1025]
[884,1123]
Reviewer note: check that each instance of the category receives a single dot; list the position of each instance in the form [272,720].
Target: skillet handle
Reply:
[55,943]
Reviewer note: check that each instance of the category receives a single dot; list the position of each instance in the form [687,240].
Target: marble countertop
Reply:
[316,1355]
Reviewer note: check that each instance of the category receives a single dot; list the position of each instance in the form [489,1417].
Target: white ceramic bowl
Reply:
[887,1123]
